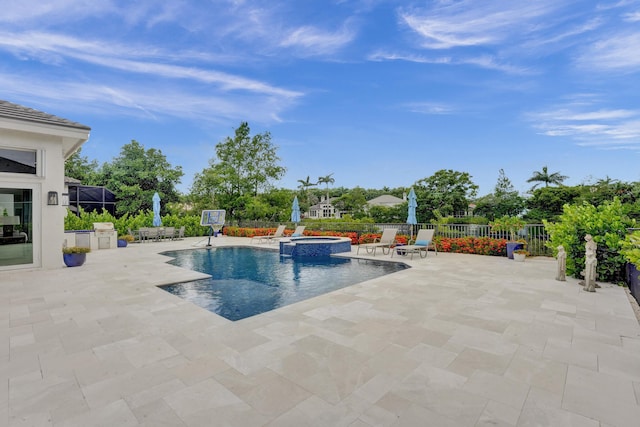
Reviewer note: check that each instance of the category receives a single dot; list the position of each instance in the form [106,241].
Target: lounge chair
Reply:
[278,234]
[179,234]
[169,233]
[421,244]
[298,231]
[386,241]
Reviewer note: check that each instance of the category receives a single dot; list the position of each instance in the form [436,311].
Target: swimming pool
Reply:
[249,281]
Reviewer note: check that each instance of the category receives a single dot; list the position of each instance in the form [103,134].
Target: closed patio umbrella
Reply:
[295,211]
[411,214]
[157,221]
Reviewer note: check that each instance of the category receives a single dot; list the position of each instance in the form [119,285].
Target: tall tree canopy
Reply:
[136,174]
[243,166]
[448,191]
[547,178]
[505,200]
[79,167]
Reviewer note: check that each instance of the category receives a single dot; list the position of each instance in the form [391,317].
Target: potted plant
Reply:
[124,240]
[520,254]
[511,225]
[74,256]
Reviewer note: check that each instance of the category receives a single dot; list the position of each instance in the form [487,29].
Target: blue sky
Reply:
[379,93]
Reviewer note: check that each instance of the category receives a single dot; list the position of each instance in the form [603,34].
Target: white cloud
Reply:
[52,11]
[472,23]
[619,51]
[632,17]
[116,57]
[587,126]
[123,98]
[486,61]
[430,108]
[313,41]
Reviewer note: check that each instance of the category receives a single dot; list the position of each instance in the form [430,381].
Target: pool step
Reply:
[287,249]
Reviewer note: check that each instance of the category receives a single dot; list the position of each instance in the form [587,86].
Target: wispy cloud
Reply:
[470,23]
[312,41]
[120,99]
[617,52]
[430,108]
[484,61]
[116,57]
[589,126]
[632,17]
[19,12]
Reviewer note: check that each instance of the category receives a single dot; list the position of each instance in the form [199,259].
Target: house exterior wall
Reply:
[52,145]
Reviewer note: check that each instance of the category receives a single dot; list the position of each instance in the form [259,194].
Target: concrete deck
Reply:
[458,340]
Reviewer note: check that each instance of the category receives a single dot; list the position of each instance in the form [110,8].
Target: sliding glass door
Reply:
[16,226]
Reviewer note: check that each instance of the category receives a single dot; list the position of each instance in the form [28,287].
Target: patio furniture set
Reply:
[156,234]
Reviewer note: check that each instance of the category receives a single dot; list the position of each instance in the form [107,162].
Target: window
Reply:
[18,161]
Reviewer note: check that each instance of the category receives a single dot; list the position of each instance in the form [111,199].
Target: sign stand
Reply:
[214,219]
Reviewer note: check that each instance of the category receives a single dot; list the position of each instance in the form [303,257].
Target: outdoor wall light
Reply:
[52,198]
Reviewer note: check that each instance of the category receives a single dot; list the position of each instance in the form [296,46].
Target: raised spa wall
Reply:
[314,246]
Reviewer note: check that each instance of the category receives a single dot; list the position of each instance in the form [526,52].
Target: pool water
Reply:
[249,281]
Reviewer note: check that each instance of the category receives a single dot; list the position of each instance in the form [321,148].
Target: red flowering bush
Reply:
[472,245]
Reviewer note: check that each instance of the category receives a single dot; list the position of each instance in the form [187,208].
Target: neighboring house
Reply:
[324,209]
[33,148]
[386,200]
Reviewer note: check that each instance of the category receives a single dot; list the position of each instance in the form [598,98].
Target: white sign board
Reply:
[213,218]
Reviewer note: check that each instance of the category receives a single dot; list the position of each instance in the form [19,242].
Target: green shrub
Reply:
[509,224]
[631,248]
[606,223]
[134,222]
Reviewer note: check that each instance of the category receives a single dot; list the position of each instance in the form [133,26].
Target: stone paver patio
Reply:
[457,340]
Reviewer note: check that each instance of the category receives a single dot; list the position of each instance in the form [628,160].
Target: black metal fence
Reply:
[534,234]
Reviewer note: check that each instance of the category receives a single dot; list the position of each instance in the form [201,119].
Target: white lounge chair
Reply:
[386,241]
[421,244]
[279,233]
[298,231]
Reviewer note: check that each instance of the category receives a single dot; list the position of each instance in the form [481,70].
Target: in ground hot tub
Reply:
[314,246]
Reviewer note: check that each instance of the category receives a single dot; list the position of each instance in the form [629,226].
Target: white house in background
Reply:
[33,148]
[324,209]
[386,200]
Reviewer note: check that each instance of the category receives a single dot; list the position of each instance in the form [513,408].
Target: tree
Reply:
[243,166]
[546,177]
[546,202]
[448,191]
[352,202]
[326,180]
[80,168]
[505,200]
[136,174]
[304,186]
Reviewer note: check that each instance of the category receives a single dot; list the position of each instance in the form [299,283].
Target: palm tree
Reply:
[326,180]
[304,185]
[547,178]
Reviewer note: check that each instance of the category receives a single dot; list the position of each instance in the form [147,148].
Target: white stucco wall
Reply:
[52,143]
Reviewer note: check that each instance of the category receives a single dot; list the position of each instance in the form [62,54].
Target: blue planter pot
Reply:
[122,243]
[74,260]
[633,281]
[512,246]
